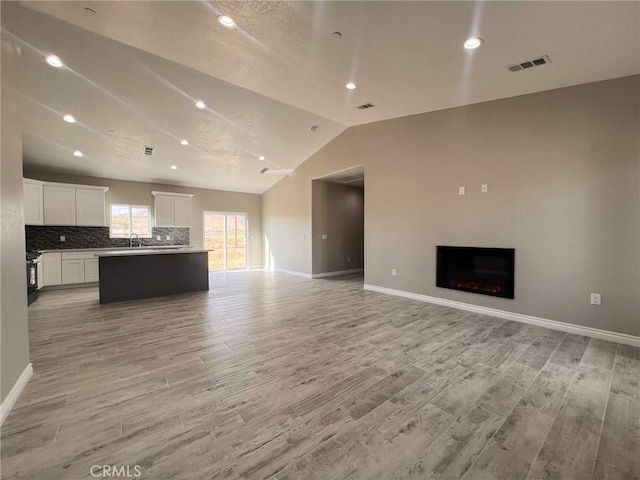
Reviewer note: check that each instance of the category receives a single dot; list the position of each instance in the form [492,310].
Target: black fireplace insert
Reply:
[487,271]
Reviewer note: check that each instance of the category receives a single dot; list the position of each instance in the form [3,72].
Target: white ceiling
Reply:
[137,67]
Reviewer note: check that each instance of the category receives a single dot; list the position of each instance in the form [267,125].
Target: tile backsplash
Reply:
[48,238]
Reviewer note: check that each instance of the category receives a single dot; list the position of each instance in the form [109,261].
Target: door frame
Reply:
[246,235]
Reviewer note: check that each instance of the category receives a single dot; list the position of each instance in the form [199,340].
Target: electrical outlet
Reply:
[348,259]
[157,237]
[460,190]
[596,299]
[168,237]
[394,272]
[484,188]
[324,237]
[63,238]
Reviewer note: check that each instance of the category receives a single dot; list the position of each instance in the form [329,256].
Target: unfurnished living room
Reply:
[320,240]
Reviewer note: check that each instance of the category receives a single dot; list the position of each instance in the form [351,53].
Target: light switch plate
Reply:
[324,237]
[484,188]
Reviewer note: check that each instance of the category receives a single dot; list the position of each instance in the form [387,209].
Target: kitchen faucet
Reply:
[131,240]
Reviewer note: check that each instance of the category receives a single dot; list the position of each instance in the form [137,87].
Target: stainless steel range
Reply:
[33,258]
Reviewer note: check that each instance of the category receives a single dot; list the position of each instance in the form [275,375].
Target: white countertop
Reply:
[118,249]
[128,252]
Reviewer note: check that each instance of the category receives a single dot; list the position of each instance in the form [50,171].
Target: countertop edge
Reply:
[115,249]
[143,251]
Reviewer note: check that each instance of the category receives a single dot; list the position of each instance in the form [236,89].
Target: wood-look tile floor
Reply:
[280,377]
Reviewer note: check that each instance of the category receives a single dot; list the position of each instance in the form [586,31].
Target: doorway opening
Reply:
[337,223]
[226,234]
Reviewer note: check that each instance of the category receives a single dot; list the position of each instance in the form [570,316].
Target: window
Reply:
[128,219]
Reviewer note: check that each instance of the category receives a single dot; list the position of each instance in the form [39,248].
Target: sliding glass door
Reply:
[226,233]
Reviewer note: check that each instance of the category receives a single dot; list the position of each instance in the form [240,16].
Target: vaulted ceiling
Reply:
[274,85]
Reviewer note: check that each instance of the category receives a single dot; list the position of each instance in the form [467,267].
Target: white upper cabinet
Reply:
[182,211]
[90,207]
[164,211]
[66,204]
[172,209]
[33,206]
[59,205]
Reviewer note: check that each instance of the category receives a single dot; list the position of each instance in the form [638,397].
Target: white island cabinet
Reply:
[172,209]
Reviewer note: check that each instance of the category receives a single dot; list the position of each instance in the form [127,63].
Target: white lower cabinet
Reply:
[91,270]
[51,269]
[72,271]
[68,268]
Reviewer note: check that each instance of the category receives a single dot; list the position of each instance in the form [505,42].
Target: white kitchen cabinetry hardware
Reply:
[33,204]
[50,265]
[172,209]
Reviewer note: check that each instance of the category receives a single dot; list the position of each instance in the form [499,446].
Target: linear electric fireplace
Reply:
[487,271]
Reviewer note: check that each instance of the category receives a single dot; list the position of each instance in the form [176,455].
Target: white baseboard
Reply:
[14,394]
[337,273]
[292,272]
[517,317]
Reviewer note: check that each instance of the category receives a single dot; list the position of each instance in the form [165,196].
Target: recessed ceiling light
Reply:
[261,157]
[54,61]
[200,104]
[184,142]
[350,86]
[69,118]
[226,21]
[473,42]
[78,153]
[173,167]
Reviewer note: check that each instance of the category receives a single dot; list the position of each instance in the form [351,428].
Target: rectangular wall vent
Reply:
[148,151]
[535,62]
[364,106]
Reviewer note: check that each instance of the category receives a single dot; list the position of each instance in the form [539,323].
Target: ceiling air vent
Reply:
[535,62]
[148,151]
[364,106]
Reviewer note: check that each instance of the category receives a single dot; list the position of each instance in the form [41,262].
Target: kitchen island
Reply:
[143,272]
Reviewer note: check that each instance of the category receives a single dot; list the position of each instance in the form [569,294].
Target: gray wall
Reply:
[14,343]
[563,170]
[137,193]
[338,213]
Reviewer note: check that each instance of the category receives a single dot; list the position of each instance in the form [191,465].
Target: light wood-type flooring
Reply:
[280,377]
